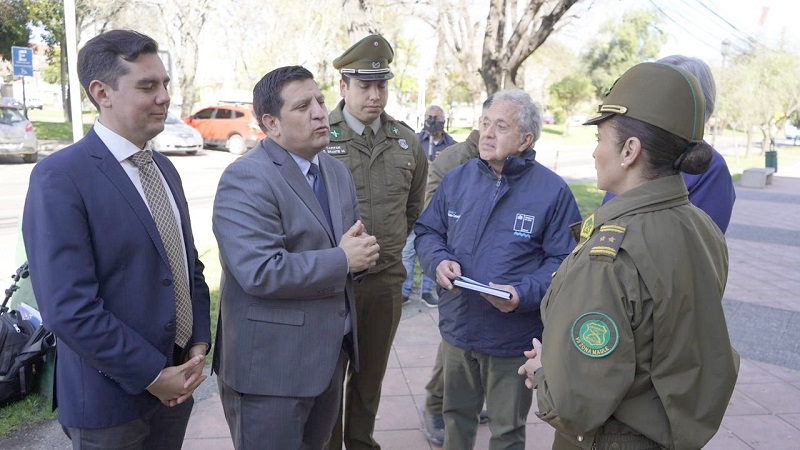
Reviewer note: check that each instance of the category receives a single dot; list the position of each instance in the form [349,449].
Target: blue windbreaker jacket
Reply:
[512,230]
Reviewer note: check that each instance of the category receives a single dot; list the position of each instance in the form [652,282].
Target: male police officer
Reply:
[389,170]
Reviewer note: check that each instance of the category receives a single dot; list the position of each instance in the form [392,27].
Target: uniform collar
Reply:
[662,193]
[358,126]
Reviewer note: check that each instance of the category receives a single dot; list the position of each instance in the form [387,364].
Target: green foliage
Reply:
[13,26]
[568,94]
[633,39]
[33,409]
[587,195]
[48,14]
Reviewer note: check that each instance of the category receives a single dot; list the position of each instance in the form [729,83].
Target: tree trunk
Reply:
[64,97]
[503,57]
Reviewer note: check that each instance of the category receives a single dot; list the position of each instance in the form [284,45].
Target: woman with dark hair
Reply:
[637,352]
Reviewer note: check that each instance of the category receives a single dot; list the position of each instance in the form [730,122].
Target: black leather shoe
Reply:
[483,417]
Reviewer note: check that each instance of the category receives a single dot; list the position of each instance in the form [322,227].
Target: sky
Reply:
[698,27]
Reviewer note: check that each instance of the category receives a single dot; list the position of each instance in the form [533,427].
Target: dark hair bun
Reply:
[696,160]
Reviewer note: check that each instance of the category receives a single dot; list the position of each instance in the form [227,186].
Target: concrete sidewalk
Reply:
[761,303]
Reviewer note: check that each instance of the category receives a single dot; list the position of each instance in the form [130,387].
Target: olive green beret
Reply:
[368,59]
[662,95]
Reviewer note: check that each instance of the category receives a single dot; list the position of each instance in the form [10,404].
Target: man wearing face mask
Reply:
[389,171]
[432,137]
[433,140]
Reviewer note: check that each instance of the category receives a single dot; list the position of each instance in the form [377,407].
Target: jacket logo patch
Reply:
[595,334]
[403,144]
[335,133]
[394,129]
[453,214]
[523,225]
[607,241]
[335,150]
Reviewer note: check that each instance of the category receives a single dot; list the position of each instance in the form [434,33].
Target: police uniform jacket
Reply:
[449,159]
[389,179]
[635,339]
[512,230]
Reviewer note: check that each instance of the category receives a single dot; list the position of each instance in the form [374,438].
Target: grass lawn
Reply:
[31,410]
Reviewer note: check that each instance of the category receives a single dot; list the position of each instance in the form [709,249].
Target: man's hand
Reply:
[533,363]
[360,248]
[501,303]
[176,384]
[446,272]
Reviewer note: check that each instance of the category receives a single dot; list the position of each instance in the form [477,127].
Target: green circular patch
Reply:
[595,334]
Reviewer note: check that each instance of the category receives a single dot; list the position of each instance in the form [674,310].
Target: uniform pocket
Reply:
[402,172]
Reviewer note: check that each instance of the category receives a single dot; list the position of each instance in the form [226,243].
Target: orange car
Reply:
[232,126]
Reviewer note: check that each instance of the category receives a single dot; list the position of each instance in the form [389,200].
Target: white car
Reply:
[16,135]
[177,137]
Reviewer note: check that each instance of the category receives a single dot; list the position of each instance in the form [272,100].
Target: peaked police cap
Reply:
[662,95]
[368,59]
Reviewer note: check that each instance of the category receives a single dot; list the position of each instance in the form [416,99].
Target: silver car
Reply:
[16,135]
[177,137]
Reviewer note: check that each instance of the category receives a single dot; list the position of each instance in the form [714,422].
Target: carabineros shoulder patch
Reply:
[595,334]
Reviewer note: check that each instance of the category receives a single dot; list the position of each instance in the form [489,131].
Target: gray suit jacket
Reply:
[284,280]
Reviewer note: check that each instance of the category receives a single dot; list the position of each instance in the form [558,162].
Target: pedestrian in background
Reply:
[433,139]
[113,263]
[636,350]
[389,170]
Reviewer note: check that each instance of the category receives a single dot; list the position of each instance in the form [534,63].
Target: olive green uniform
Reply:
[447,160]
[635,347]
[390,178]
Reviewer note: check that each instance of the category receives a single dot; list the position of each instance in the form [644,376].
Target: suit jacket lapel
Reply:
[299,184]
[112,169]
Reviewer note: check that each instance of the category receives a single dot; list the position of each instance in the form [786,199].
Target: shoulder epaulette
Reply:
[607,240]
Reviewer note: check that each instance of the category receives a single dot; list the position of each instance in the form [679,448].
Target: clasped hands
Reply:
[177,383]
[360,248]
[449,270]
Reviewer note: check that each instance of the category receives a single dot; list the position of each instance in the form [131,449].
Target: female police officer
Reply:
[637,353]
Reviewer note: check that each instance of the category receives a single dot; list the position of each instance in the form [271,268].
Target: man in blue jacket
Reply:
[503,220]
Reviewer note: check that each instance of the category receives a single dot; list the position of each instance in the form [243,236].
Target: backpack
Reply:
[22,348]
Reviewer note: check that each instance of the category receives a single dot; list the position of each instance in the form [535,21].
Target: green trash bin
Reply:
[771,159]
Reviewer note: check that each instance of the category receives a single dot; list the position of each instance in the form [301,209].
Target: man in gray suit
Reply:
[286,219]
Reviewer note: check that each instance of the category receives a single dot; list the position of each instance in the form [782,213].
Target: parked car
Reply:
[177,137]
[232,126]
[11,101]
[16,135]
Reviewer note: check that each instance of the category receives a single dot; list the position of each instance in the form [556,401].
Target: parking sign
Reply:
[22,60]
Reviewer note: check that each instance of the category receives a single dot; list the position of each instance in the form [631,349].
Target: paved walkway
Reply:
[763,311]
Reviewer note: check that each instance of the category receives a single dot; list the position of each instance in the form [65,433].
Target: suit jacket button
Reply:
[166,282]
[342,313]
[169,327]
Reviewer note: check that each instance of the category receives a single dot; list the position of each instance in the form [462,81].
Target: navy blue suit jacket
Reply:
[103,282]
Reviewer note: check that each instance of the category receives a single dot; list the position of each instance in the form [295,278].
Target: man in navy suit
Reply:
[115,272]
[290,240]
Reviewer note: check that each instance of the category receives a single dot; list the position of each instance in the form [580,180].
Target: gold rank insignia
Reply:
[607,241]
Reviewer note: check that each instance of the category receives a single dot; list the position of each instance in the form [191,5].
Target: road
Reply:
[200,174]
